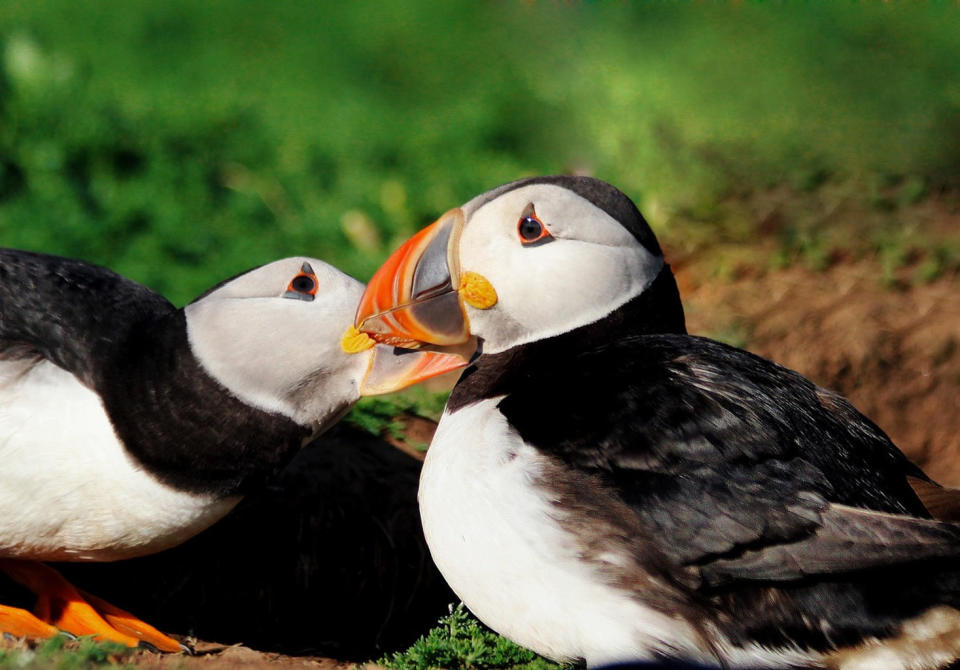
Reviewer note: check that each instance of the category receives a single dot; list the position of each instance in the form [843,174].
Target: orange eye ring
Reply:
[304,286]
[531,229]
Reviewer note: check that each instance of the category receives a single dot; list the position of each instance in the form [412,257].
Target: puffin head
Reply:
[279,337]
[524,262]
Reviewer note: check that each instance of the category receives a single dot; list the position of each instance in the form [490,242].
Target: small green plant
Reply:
[460,641]
[378,415]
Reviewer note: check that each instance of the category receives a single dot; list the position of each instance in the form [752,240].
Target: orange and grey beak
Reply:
[415,297]
[392,369]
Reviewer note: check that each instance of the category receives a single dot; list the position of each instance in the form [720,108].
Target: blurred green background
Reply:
[180,142]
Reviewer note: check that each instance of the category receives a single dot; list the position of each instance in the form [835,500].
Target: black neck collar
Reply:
[185,427]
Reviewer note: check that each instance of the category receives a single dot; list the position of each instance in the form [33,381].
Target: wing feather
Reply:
[731,464]
[68,311]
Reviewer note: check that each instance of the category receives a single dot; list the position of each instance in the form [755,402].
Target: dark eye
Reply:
[531,229]
[303,284]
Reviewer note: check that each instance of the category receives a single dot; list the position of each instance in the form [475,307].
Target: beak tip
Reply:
[390,371]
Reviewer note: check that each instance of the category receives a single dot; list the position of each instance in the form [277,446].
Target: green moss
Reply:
[459,641]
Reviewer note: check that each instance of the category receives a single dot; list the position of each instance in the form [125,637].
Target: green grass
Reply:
[378,415]
[59,653]
[180,142]
[459,641]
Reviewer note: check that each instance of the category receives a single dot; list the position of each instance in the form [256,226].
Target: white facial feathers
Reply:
[280,354]
[592,266]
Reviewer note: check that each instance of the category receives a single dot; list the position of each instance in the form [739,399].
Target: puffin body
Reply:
[604,487]
[503,548]
[127,425]
[70,490]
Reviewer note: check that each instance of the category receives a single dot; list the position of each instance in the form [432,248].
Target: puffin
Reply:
[605,488]
[128,425]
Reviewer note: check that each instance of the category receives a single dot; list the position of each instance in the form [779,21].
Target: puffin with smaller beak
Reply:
[128,426]
[604,487]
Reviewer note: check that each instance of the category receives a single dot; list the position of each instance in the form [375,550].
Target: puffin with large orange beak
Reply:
[128,425]
[604,487]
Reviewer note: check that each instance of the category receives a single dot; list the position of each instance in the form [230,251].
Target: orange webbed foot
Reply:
[61,606]
[21,623]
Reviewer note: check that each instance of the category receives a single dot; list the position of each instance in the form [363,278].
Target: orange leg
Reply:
[61,605]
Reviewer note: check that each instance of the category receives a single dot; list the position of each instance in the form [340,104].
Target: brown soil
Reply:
[206,657]
[238,656]
[894,352]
